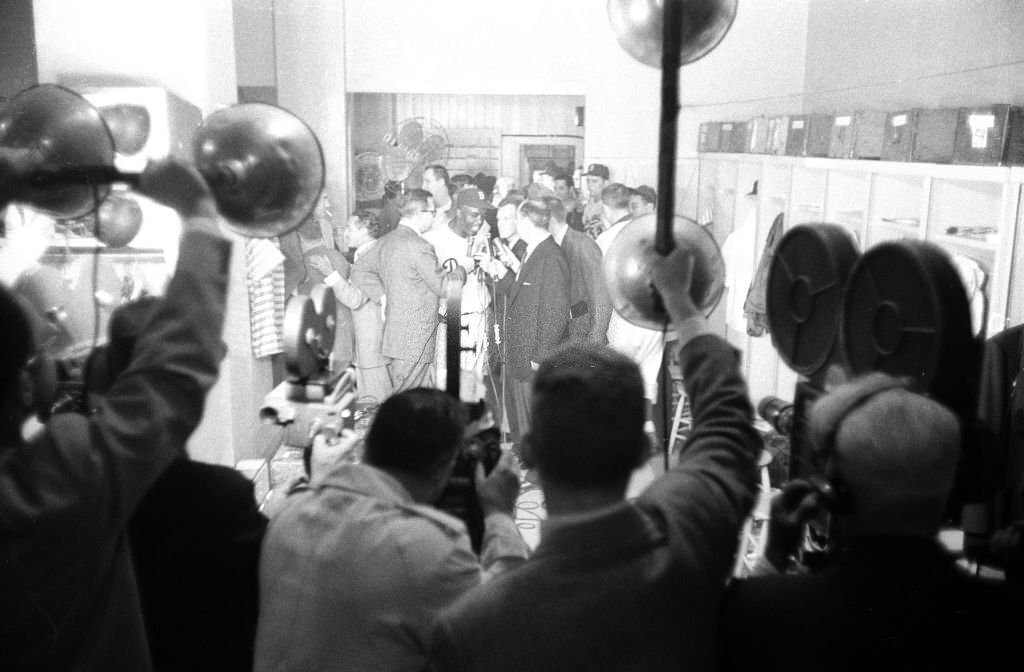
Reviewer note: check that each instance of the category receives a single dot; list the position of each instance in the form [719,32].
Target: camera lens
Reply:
[778,413]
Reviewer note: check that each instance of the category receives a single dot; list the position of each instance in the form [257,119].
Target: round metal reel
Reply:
[906,313]
[804,294]
[309,324]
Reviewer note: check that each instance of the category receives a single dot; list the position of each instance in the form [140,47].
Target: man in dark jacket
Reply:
[615,584]
[895,599]
[66,495]
[536,307]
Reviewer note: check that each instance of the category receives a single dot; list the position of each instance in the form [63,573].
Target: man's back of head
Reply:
[893,450]
[615,197]
[588,415]
[416,432]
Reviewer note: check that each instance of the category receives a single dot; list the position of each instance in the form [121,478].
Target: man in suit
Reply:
[408,270]
[620,584]
[509,246]
[590,306]
[362,293]
[894,599]
[536,306]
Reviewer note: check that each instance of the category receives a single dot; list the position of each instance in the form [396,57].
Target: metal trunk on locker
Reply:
[934,136]
[992,135]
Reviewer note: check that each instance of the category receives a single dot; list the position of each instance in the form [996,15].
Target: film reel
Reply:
[805,292]
[905,312]
[309,323]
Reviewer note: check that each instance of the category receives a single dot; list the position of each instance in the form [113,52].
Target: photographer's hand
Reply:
[178,185]
[792,508]
[672,276]
[497,491]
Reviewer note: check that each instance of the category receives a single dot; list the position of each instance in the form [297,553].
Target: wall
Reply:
[17,47]
[184,46]
[567,47]
[888,54]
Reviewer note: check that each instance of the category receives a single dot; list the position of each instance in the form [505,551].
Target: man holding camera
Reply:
[359,562]
[894,598]
[67,493]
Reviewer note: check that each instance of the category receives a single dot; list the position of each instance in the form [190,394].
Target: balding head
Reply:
[894,450]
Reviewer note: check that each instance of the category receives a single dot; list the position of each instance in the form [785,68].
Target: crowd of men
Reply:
[357,570]
[533,282]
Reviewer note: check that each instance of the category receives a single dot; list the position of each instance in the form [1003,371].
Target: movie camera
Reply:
[315,399]
[899,308]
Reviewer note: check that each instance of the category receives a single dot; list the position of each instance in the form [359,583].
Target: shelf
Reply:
[968,243]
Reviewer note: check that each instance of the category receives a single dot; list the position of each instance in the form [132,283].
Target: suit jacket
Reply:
[344,332]
[888,604]
[69,591]
[196,543]
[537,308]
[587,290]
[408,270]
[636,586]
[362,295]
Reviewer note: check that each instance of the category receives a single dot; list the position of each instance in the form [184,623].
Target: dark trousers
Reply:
[519,408]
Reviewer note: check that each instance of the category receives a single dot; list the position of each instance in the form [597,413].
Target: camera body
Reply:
[482,445]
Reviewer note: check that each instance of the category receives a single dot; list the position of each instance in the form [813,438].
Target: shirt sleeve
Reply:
[503,546]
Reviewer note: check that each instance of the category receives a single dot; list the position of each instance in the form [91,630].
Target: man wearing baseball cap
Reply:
[457,240]
[597,178]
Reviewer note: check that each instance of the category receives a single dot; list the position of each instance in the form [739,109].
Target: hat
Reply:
[470,197]
[598,169]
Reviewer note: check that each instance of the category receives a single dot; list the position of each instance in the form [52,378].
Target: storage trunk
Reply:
[992,135]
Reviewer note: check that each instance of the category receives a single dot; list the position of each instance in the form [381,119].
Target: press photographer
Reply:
[376,559]
[889,460]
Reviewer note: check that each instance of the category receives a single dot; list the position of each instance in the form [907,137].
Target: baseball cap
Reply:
[598,169]
[470,197]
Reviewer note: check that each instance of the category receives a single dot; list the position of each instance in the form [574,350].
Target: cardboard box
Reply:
[992,135]
[899,135]
[935,135]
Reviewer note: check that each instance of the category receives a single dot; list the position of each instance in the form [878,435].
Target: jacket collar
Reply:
[600,533]
[362,479]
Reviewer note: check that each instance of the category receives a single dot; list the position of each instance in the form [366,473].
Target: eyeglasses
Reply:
[433,212]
